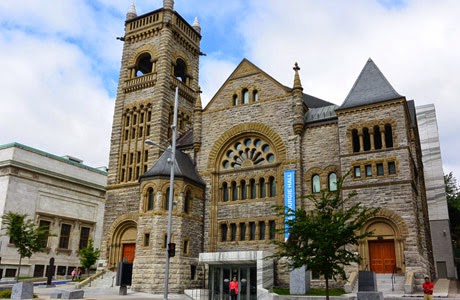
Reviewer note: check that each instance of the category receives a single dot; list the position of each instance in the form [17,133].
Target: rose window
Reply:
[248,152]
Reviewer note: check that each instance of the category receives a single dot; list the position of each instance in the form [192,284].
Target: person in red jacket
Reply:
[428,288]
[234,288]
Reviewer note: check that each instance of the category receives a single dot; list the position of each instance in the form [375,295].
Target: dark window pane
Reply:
[391,167]
[64,236]
[380,169]
[84,237]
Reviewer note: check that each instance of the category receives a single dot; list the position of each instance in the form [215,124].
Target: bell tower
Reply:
[160,52]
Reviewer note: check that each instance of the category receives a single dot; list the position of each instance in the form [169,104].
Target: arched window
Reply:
[355,140]
[150,199]
[272,184]
[225,192]
[234,191]
[252,189]
[262,188]
[223,232]
[180,70]
[366,139]
[144,64]
[255,95]
[315,184]
[244,190]
[245,94]
[187,202]
[377,138]
[332,182]
[235,100]
[388,136]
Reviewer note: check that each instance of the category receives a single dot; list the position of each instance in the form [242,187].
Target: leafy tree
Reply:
[453,205]
[89,255]
[24,234]
[321,238]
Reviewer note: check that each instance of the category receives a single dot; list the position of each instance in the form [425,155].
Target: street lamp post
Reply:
[171,160]
[171,193]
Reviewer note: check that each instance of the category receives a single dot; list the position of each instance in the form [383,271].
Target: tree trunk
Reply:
[19,269]
[327,287]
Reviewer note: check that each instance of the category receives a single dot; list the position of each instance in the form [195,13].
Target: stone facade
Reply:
[57,192]
[240,145]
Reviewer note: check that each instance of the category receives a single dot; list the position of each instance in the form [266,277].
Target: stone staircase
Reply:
[385,285]
[105,281]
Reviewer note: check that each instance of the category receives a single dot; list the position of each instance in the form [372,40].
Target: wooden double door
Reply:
[129,251]
[382,256]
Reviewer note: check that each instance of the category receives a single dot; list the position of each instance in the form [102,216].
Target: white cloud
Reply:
[61,61]
[51,99]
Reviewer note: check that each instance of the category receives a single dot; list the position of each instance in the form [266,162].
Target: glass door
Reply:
[220,277]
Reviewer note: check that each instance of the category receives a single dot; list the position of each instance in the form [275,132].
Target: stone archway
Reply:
[123,234]
[383,252]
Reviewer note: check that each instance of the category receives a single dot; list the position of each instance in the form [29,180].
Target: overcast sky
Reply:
[60,59]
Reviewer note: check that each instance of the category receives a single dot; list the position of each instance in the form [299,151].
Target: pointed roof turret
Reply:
[131,14]
[370,87]
[183,168]
[196,25]
[297,83]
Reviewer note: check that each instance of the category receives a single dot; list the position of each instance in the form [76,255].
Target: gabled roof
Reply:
[370,87]
[314,102]
[320,114]
[183,168]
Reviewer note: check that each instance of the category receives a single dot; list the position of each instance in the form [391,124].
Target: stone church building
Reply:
[255,142]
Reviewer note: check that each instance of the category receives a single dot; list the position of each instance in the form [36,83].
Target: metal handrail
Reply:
[393,277]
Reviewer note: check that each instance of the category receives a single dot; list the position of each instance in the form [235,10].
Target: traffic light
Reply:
[172,249]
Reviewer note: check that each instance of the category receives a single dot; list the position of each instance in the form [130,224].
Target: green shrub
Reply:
[5,294]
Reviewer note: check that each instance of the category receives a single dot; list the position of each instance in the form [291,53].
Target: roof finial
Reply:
[131,12]
[168,4]
[297,83]
[196,25]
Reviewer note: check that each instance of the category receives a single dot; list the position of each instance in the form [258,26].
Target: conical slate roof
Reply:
[183,168]
[370,87]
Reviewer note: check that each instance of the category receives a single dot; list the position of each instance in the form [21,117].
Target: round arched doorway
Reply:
[383,251]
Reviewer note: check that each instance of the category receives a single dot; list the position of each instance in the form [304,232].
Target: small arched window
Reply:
[235,100]
[262,188]
[187,202]
[315,184]
[244,191]
[272,184]
[377,138]
[234,191]
[332,182]
[180,70]
[144,64]
[150,199]
[255,96]
[366,139]
[355,140]
[245,94]
[252,189]
[388,136]
[225,192]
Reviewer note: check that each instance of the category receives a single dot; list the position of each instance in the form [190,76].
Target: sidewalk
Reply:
[97,293]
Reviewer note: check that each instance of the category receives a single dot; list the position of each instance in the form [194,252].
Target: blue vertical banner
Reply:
[289,197]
